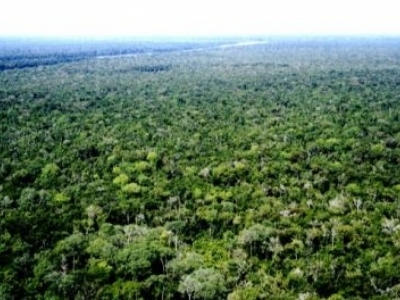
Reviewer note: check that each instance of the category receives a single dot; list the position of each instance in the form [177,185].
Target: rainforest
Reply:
[200,169]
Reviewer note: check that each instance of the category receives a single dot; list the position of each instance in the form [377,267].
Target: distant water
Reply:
[242,44]
[224,46]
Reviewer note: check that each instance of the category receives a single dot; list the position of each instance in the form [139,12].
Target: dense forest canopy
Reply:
[265,171]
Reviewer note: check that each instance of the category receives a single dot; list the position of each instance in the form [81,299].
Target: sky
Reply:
[198,17]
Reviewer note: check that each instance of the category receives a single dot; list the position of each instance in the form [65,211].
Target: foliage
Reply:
[266,171]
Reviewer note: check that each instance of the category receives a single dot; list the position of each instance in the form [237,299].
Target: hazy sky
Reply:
[198,17]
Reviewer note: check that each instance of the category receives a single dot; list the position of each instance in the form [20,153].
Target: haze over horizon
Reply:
[121,18]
